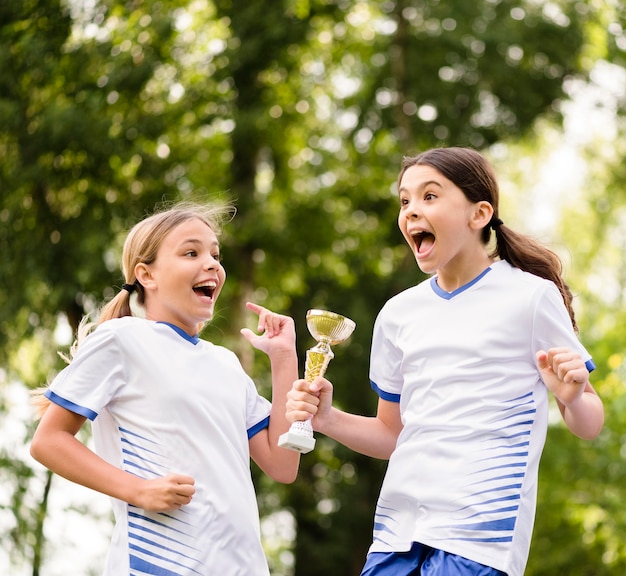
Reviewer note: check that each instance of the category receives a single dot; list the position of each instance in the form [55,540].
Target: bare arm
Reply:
[55,446]
[374,436]
[567,377]
[278,341]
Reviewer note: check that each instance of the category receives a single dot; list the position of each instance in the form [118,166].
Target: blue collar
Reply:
[449,295]
[193,339]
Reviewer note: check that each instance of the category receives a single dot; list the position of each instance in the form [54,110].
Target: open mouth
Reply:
[207,290]
[423,241]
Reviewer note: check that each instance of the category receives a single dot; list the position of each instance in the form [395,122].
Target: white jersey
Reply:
[462,365]
[164,402]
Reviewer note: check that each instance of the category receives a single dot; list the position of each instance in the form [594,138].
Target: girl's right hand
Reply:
[165,493]
[310,401]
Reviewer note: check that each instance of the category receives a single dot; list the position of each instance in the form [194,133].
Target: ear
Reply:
[483,212]
[144,275]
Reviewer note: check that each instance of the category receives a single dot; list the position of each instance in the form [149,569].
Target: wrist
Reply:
[571,402]
[283,355]
[327,422]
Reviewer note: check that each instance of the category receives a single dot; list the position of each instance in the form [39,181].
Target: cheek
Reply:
[402,223]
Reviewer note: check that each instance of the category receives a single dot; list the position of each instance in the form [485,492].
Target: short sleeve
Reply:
[257,410]
[552,326]
[257,407]
[92,379]
[385,359]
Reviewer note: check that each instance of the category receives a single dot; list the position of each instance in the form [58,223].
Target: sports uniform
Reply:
[164,402]
[463,477]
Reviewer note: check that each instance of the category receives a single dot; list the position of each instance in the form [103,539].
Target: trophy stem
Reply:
[317,360]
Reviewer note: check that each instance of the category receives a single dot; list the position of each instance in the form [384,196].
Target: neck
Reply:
[451,280]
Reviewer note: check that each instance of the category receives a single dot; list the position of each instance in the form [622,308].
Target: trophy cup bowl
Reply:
[328,328]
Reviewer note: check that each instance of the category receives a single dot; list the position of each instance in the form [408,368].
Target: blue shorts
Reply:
[423,560]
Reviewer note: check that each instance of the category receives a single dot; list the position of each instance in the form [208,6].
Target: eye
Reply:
[217,256]
[191,253]
[429,196]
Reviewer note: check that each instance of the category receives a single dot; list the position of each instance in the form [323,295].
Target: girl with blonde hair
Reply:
[175,418]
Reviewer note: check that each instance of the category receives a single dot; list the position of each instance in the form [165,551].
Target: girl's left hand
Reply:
[277,331]
[564,373]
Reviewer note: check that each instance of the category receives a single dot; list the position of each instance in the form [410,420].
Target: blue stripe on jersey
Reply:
[155,544]
[498,483]
[142,528]
[382,520]
[77,409]
[127,431]
[157,522]
[140,459]
[148,567]
[160,550]
[384,395]
[499,524]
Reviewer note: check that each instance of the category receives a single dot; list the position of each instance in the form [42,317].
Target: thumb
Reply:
[247,334]
[542,359]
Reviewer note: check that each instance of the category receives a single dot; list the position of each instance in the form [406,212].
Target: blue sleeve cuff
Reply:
[385,395]
[258,427]
[86,412]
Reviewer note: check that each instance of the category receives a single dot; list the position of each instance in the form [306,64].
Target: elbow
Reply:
[36,450]
[284,476]
[285,473]
[594,431]
[289,479]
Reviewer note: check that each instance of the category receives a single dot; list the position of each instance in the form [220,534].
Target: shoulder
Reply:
[125,327]
[218,352]
[411,294]
[130,332]
[215,349]
[394,312]
[503,272]
[525,291]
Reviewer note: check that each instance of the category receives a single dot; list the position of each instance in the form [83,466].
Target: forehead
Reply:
[194,230]
[420,175]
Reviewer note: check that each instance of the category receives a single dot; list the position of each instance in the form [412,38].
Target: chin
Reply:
[425,268]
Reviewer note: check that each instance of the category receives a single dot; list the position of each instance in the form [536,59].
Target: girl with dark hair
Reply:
[462,364]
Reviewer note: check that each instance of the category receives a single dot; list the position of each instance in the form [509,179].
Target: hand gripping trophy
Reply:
[328,329]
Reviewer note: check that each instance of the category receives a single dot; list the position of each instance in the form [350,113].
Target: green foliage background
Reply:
[298,111]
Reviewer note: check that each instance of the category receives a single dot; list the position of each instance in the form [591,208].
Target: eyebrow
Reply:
[422,186]
[214,244]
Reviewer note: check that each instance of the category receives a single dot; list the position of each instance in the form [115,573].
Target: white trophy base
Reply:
[297,442]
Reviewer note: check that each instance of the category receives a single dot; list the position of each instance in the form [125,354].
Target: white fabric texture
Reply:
[162,402]
[463,477]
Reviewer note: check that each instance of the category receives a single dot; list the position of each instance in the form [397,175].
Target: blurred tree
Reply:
[581,492]
[591,512]
[581,486]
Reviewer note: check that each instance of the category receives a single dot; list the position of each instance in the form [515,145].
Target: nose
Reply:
[212,262]
[411,209]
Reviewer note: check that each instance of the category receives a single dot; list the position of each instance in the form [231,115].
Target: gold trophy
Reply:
[328,329]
